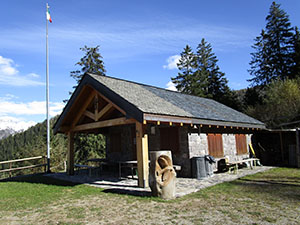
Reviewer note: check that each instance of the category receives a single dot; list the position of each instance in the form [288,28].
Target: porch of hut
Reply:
[92,112]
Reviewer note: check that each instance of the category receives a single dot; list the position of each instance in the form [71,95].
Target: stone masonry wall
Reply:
[198,146]
[191,144]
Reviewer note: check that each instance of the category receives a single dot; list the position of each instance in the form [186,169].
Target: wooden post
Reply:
[70,154]
[297,148]
[281,147]
[10,166]
[45,162]
[142,156]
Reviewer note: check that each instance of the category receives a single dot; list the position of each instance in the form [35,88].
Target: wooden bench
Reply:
[234,166]
[133,165]
[79,166]
[177,167]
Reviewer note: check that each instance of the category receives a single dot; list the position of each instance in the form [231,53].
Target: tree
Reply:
[89,145]
[272,59]
[205,66]
[91,62]
[280,105]
[253,96]
[186,66]
[296,56]
[201,76]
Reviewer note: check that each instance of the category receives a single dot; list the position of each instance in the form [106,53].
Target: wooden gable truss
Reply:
[92,111]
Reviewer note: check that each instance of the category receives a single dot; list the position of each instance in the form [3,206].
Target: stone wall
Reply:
[191,144]
[198,146]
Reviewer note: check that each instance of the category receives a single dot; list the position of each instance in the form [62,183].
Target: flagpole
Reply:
[47,96]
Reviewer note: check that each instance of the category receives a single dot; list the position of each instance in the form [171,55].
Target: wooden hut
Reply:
[138,118]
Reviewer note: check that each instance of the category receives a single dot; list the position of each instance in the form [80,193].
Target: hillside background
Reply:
[32,142]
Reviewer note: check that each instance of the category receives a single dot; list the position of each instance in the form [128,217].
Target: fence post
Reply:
[45,164]
[10,166]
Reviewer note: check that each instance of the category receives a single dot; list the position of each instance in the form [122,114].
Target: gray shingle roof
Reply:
[154,100]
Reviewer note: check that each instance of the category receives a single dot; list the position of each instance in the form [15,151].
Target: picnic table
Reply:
[131,164]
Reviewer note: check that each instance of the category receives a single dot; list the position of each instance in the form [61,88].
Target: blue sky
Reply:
[139,41]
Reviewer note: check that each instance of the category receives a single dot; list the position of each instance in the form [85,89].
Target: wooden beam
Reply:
[281,147]
[142,156]
[96,102]
[89,114]
[105,123]
[298,147]
[83,108]
[64,129]
[21,160]
[103,111]
[70,154]
[186,120]
[114,105]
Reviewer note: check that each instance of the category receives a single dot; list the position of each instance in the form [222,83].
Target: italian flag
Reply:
[48,16]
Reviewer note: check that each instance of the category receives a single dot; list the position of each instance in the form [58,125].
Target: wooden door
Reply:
[215,145]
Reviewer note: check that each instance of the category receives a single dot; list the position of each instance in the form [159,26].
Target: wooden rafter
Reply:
[101,124]
[103,111]
[83,108]
[89,114]
[114,105]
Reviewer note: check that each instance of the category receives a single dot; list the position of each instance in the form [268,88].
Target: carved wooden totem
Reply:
[162,175]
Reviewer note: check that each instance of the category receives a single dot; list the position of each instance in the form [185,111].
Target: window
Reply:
[169,139]
[215,145]
[241,144]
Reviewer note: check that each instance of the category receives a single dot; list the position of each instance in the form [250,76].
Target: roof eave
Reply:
[187,120]
[130,109]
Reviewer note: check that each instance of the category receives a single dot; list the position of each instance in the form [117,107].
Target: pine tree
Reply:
[209,81]
[273,49]
[92,144]
[91,62]
[205,65]
[201,76]
[296,56]
[186,66]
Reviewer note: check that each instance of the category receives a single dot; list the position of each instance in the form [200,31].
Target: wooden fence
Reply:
[11,168]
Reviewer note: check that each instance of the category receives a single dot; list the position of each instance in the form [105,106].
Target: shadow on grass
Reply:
[276,189]
[40,179]
[128,192]
[284,182]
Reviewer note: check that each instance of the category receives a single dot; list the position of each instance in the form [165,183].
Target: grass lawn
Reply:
[271,197]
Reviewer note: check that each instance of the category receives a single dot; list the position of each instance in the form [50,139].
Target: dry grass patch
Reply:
[271,197]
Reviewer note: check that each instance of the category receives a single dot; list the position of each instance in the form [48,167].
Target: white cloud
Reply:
[6,67]
[172,62]
[9,75]
[29,108]
[123,39]
[171,86]
[15,114]
[33,75]
[15,123]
